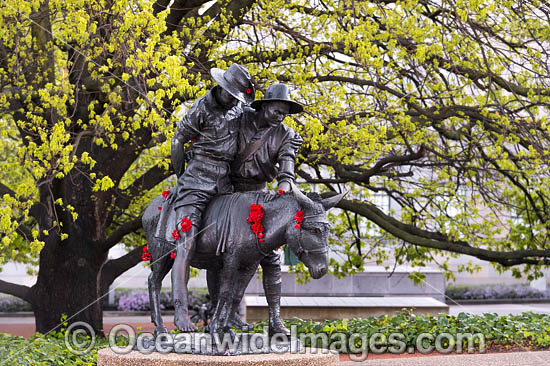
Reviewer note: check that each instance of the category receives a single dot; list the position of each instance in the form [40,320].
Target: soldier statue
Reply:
[267,150]
[211,125]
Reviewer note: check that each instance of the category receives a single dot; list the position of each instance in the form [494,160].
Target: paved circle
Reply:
[106,357]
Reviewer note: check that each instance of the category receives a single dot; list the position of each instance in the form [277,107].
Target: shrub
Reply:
[494,292]
[12,304]
[138,300]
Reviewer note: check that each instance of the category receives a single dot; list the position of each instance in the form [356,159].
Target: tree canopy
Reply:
[440,105]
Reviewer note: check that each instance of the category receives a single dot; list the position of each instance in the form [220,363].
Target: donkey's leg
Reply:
[228,278]
[243,279]
[159,269]
[213,282]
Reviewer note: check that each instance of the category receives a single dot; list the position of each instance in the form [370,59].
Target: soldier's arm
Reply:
[177,153]
[287,160]
[188,128]
[190,125]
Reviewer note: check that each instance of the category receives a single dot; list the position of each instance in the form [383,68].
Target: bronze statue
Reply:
[212,126]
[245,148]
[267,149]
[292,218]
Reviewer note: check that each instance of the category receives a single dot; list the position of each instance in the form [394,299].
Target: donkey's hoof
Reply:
[160,330]
[277,327]
[185,325]
[236,322]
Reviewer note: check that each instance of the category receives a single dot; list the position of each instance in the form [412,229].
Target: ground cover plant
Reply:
[527,331]
[518,332]
[44,350]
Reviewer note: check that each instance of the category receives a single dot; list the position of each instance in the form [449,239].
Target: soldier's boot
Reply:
[180,277]
[273,296]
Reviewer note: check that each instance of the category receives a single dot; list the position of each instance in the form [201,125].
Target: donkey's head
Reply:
[308,238]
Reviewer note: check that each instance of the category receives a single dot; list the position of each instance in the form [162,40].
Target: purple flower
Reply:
[136,301]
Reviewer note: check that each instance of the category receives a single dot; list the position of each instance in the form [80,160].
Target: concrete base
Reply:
[106,357]
[219,345]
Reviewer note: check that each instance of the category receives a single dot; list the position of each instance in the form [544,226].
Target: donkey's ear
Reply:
[332,201]
[303,200]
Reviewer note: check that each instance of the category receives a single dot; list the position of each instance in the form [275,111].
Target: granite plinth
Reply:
[218,345]
[309,357]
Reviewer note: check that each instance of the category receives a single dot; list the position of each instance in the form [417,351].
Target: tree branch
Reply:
[13,289]
[120,233]
[115,267]
[178,10]
[503,83]
[146,181]
[379,168]
[423,238]
[6,190]
[234,11]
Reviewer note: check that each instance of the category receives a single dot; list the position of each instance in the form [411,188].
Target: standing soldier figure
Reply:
[267,149]
[212,125]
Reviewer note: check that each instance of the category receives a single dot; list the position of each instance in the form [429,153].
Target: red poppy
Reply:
[194,140]
[186,224]
[160,208]
[172,255]
[281,192]
[146,256]
[248,91]
[175,234]
[255,218]
[165,194]
[299,217]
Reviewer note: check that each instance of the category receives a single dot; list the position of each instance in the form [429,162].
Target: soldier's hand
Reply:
[284,187]
[296,141]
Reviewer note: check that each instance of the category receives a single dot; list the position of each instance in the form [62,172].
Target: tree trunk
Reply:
[68,283]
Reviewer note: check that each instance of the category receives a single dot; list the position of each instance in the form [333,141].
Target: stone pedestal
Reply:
[310,357]
[219,345]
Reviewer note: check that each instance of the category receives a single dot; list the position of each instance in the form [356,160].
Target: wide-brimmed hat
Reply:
[236,81]
[278,93]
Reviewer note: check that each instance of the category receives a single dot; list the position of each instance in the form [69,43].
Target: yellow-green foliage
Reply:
[442,105]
